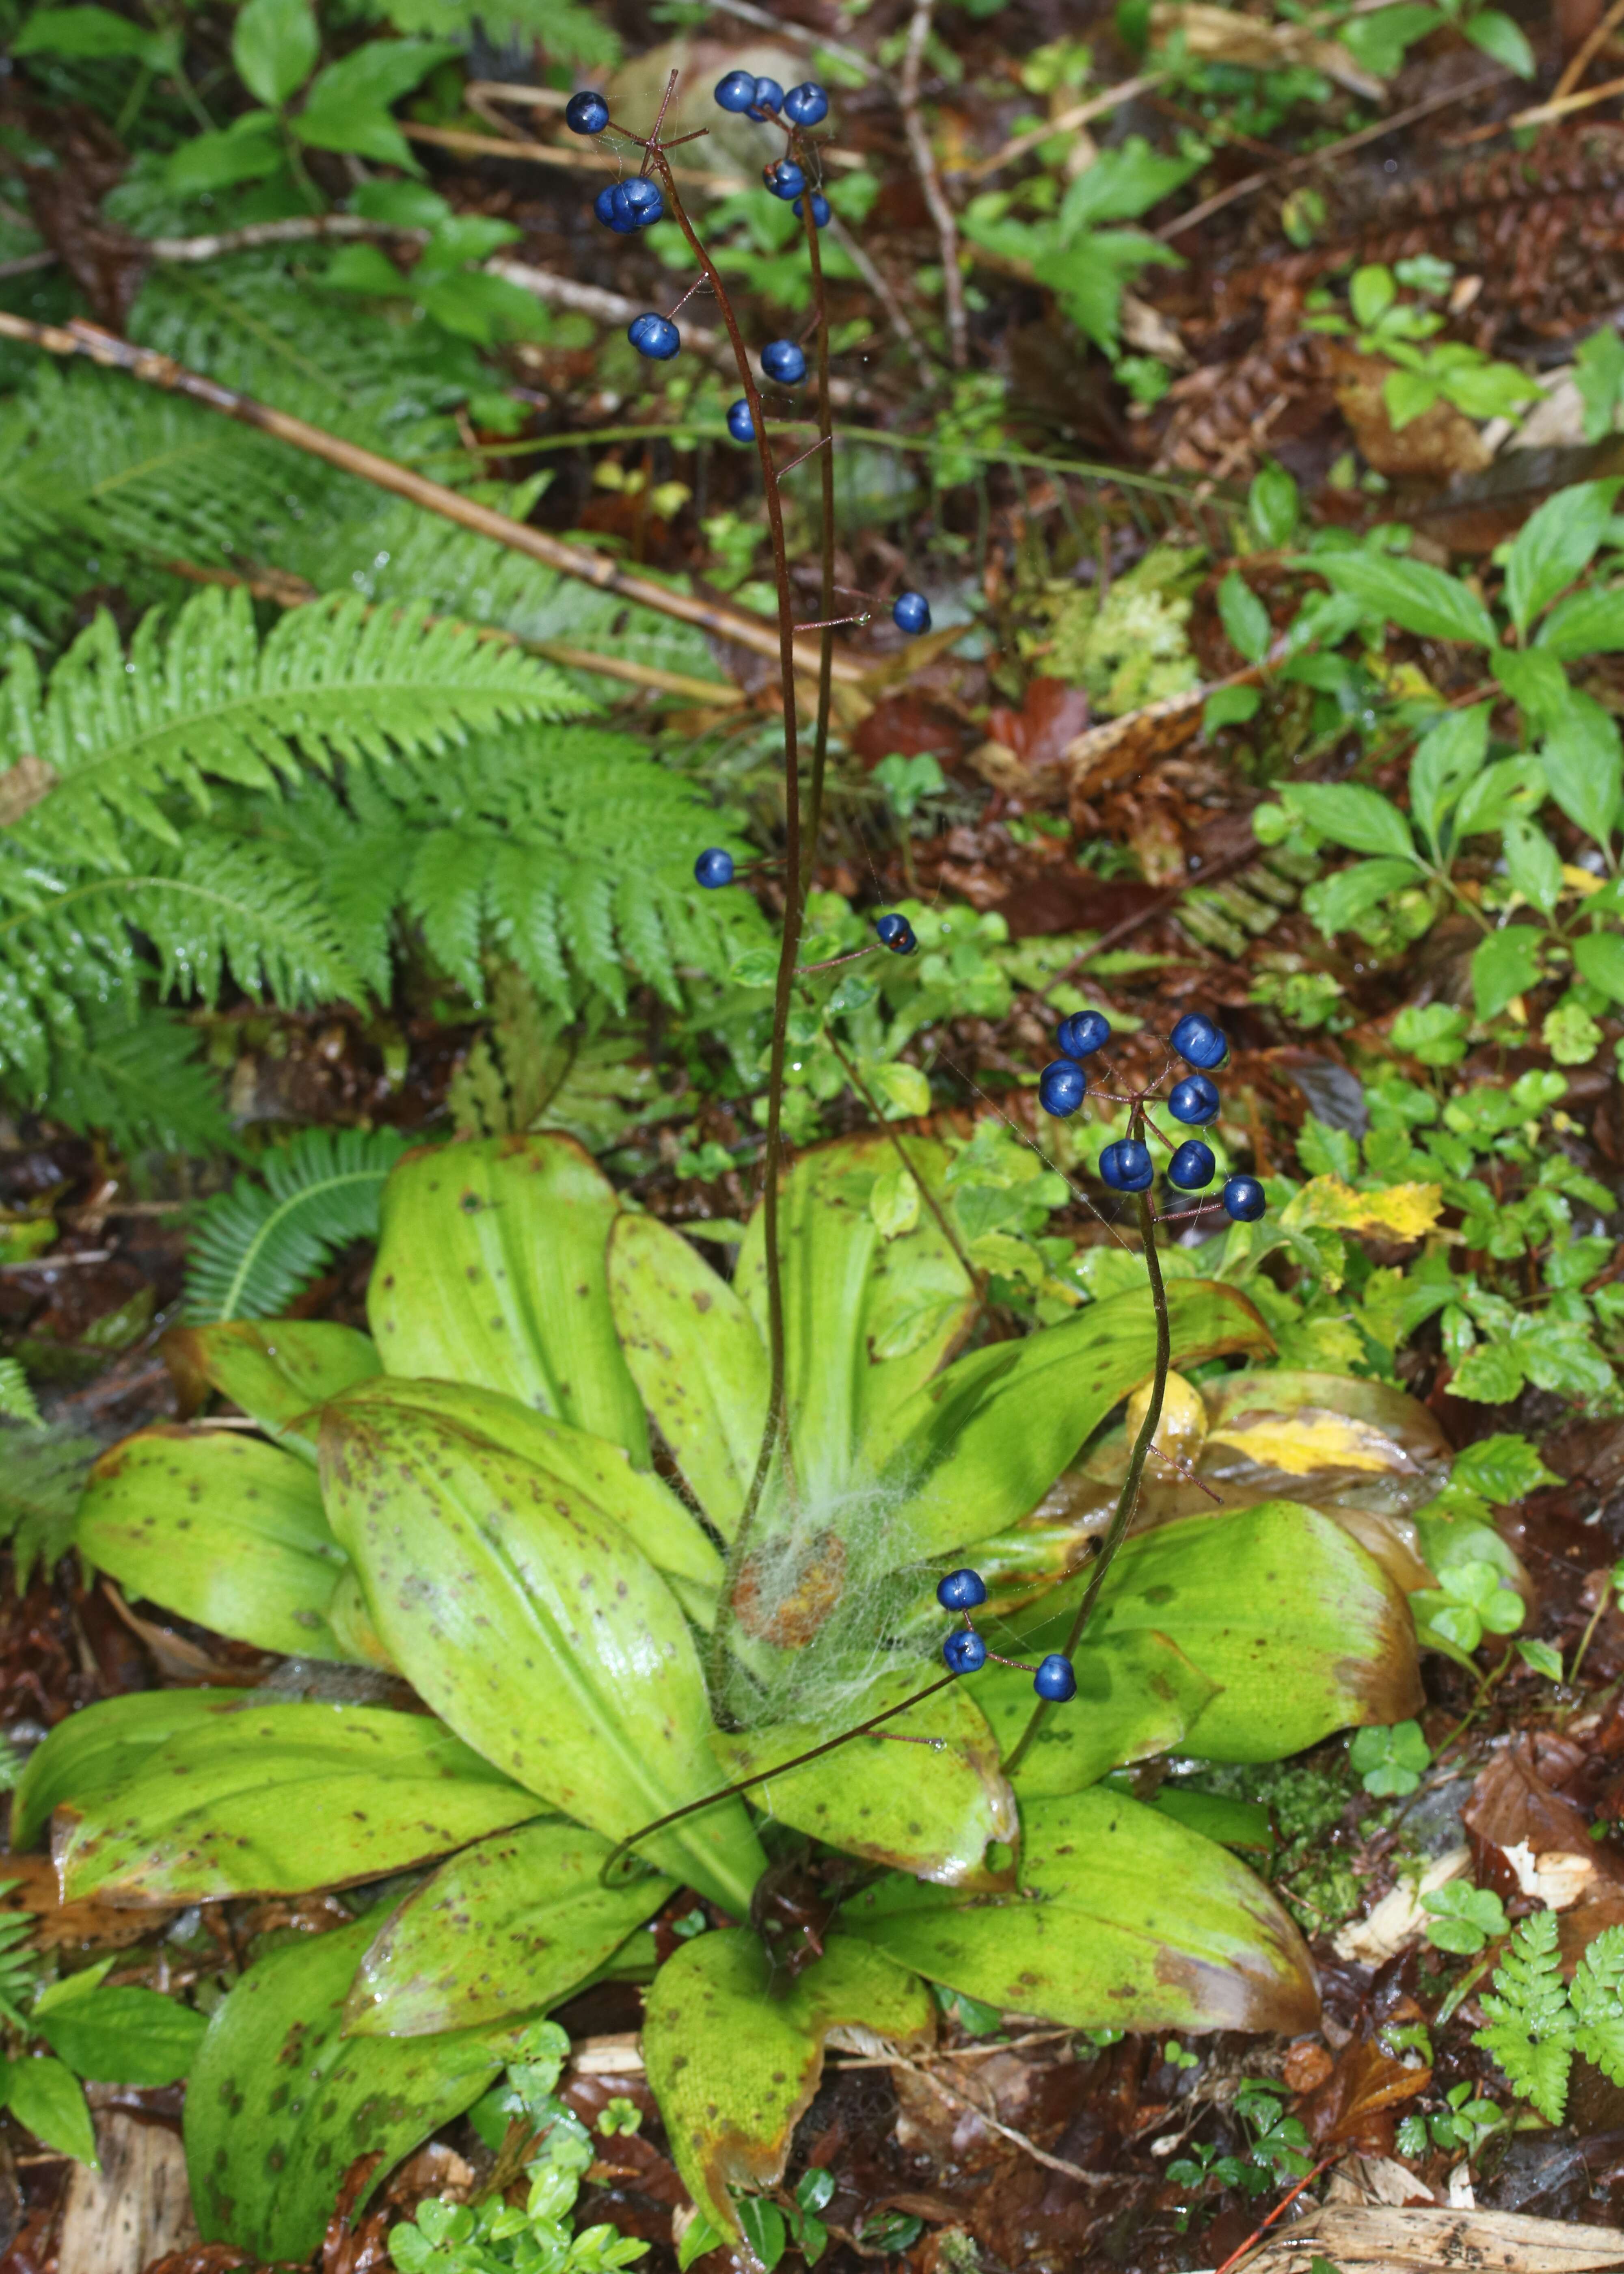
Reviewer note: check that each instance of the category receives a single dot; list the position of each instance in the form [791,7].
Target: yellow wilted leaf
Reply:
[1313,1438]
[1404,1211]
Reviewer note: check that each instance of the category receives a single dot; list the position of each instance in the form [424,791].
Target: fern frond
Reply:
[253,1248]
[204,699]
[83,453]
[1532,2028]
[20,1969]
[42,1474]
[1596,1996]
[17,1398]
[571,852]
[135,1078]
[378,375]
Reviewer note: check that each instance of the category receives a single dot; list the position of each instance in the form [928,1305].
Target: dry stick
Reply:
[1543,112]
[1067,123]
[766,1776]
[1589,48]
[294,592]
[80,338]
[576,160]
[798,35]
[773,1438]
[869,273]
[930,181]
[1312,158]
[1129,1499]
[1005,2131]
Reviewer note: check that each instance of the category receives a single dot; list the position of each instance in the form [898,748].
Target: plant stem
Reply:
[774,1434]
[826,605]
[1128,1500]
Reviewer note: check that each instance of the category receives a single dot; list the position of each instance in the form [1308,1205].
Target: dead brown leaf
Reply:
[1441,442]
[70,1925]
[1353,2101]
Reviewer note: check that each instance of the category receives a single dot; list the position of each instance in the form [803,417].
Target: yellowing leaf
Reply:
[1313,1439]
[1403,1211]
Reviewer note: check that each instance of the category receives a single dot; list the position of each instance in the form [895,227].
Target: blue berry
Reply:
[1243,1199]
[806,105]
[961,1591]
[1055,1679]
[911,612]
[820,210]
[786,179]
[603,206]
[643,199]
[1195,1099]
[737,91]
[586,113]
[1192,1167]
[713,868]
[783,363]
[1061,1088]
[654,336]
[1199,1042]
[740,425]
[769,98]
[964,1653]
[1126,1166]
[896,933]
[1082,1033]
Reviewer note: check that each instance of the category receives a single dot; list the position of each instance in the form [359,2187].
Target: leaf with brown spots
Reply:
[278,1370]
[1300,1628]
[532,1624]
[225,1530]
[490,1269]
[733,2068]
[275,1799]
[279,2103]
[507,1928]
[1123,1919]
[929,1813]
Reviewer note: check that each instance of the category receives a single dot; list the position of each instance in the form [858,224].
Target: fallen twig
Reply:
[930,181]
[596,568]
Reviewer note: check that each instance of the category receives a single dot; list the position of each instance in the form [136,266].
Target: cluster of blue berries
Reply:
[964,1653]
[1126,1165]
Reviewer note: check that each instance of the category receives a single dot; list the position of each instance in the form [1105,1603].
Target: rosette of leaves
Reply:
[465,1501]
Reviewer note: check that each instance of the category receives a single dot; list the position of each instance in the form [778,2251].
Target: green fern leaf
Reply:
[257,1246]
[1596,1996]
[42,1474]
[139,1080]
[205,700]
[1532,2028]
[17,1398]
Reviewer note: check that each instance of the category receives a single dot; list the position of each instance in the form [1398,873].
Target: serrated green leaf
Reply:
[1411,594]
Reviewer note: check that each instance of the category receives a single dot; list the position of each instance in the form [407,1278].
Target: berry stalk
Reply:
[1122,1516]
[774,1437]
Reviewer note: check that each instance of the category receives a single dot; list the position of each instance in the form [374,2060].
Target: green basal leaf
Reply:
[491,1270]
[506,1929]
[280,1371]
[841,1276]
[1123,1919]
[1301,1628]
[929,1813]
[280,2104]
[1138,1696]
[697,1357]
[535,1628]
[642,1504]
[100,1749]
[223,1528]
[734,2057]
[275,1799]
[980,1445]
